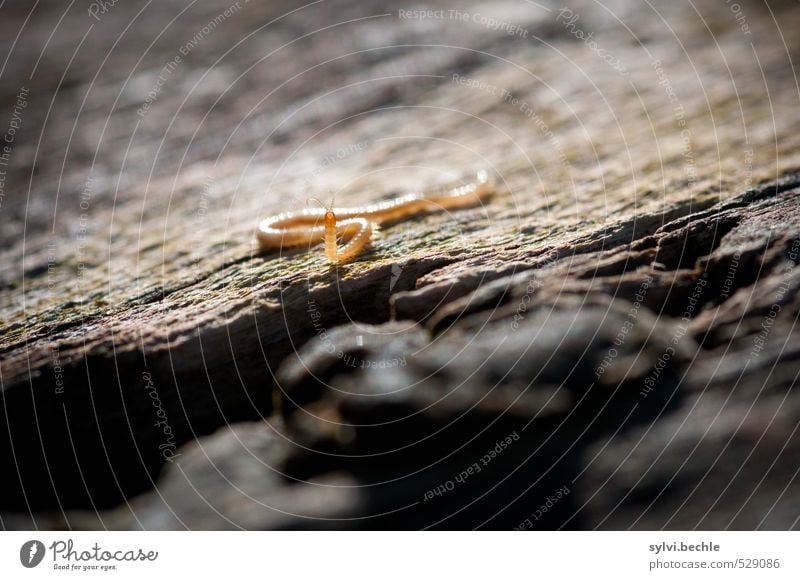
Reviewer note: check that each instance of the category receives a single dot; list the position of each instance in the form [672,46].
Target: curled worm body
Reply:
[355,225]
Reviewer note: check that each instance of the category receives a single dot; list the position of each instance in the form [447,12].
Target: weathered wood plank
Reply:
[131,284]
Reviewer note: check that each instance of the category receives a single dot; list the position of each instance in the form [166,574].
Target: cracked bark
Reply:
[161,281]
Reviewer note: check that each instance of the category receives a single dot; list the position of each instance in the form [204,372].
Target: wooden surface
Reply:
[131,285]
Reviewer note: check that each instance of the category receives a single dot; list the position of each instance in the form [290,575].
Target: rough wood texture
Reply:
[622,315]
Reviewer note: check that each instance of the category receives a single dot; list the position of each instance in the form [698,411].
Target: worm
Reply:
[354,225]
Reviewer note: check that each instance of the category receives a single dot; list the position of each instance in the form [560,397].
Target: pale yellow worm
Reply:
[354,225]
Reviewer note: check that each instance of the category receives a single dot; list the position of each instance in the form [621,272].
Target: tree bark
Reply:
[619,320]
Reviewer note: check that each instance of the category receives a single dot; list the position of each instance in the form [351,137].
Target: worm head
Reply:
[330,217]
